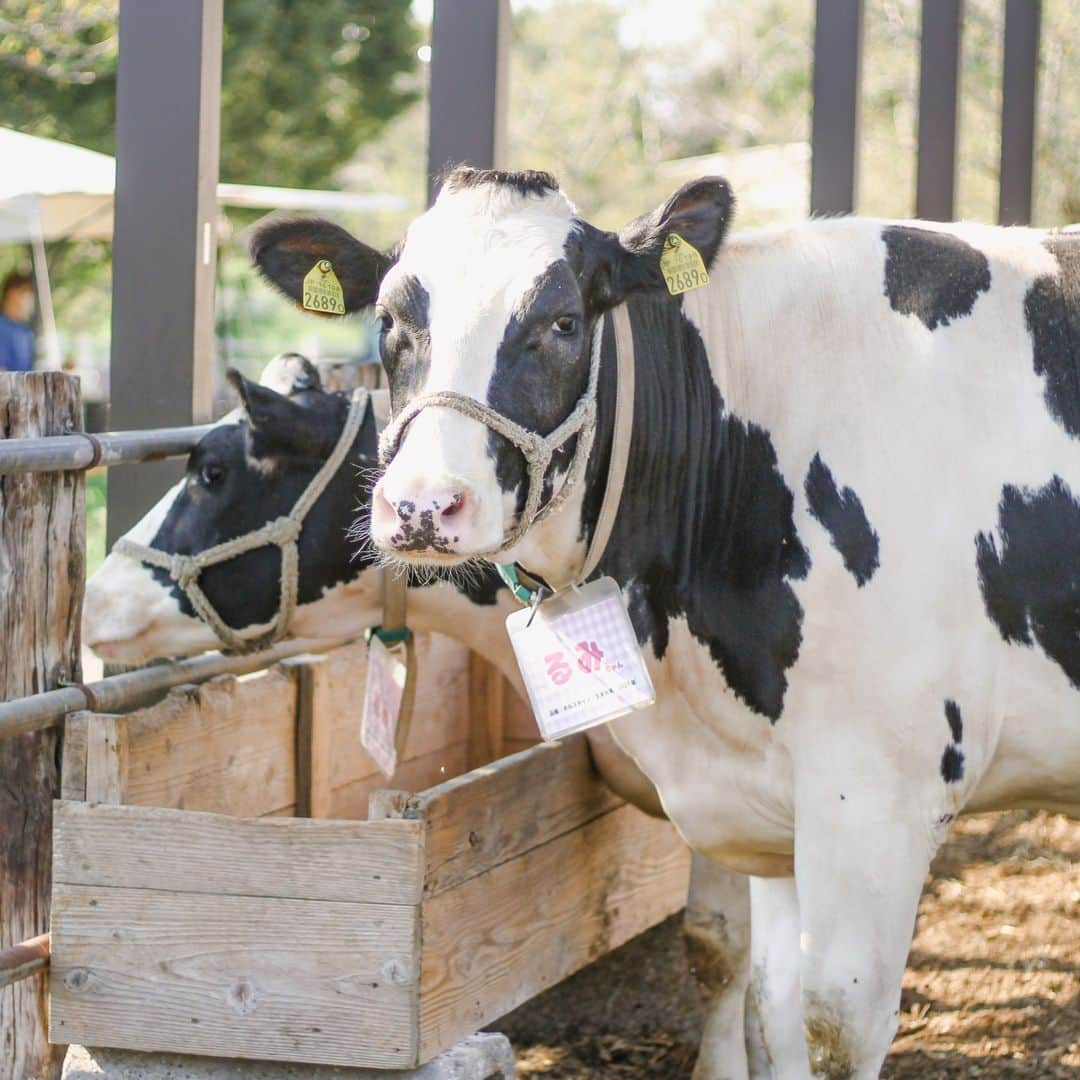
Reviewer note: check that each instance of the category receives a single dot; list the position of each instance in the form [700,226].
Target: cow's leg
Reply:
[717,933]
[774,980]
[859,880]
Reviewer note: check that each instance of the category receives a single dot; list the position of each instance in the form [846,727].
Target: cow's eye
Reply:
[386,321]
[564,325]
[211,474]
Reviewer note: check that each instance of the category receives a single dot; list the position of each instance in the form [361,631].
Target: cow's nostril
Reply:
[457,501]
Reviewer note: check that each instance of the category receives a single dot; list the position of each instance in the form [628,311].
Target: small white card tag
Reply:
[580,659]
[383,694]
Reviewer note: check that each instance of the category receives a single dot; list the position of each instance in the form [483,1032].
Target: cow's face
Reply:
[247,471]
[494,294]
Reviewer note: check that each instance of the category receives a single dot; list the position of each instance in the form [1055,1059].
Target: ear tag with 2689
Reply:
[682,265]
[580,659]
[322,290]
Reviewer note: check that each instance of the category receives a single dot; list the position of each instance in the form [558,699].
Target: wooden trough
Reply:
[244,932]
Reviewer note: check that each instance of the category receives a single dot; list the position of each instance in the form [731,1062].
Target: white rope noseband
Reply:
[537,449]
[284,532]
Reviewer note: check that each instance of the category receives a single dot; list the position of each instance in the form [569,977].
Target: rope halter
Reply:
[537,449]
[283,532]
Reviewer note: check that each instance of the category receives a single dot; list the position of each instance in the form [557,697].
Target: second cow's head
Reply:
[493,294]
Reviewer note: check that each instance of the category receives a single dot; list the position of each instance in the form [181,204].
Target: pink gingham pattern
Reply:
[617,682]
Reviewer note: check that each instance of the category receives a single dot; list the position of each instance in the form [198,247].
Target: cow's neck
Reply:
[704,530]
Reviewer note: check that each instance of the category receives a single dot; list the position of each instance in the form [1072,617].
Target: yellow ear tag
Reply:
[682,266]
[322,290]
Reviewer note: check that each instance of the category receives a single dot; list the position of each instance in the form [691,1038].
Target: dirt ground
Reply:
[992,987]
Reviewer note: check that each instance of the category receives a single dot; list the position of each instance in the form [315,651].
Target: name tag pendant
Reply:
[579,658]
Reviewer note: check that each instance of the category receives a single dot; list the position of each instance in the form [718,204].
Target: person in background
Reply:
[16,334]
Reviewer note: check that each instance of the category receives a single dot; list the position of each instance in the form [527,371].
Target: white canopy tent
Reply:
[51,190]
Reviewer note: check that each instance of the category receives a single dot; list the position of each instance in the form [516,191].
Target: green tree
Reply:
[303,84]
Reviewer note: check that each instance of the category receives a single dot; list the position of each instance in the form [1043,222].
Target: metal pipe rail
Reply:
[25,959]
[121,692]
[79,450]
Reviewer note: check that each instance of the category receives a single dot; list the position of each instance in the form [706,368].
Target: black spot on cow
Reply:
[956,723]
[1031,584]
[705,529]
[842,514]
[952,760]
[952,764]
[1052,311]
[932,275]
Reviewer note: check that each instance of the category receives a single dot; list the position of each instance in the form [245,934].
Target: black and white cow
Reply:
[849,541]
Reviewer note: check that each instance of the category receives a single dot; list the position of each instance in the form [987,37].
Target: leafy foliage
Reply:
[303,84]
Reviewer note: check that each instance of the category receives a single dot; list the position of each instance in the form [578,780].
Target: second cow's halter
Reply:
[283,532]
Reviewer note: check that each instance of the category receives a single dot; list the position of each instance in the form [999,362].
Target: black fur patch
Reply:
[933,275]
[955,721]
[952,760]
[525,182]
[952,764]
[1031,587]
[843,516]
[405,339]
[1052,311]
[706,528]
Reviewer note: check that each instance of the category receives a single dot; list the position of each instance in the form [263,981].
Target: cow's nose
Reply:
[434,514]
[436,506]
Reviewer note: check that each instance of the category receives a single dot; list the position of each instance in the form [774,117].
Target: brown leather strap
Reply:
[620,440]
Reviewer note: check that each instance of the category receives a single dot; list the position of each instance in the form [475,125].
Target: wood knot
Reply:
[241,997]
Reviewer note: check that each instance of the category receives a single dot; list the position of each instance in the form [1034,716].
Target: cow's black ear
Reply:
[285,251]
[699,212]
[276,423]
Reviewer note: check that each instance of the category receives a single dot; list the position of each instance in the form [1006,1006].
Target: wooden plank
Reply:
[519,723]
[42,568]
[350,802]
[487,708]
[226,746]
[237,976]
[440,712]
[939,68]
[834,139]
[502,937]
[314,742]
[486,817]
[73,757]
[187,852]
[106,759]
[1020,80]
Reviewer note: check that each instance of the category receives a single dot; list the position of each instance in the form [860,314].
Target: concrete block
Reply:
[486,1056]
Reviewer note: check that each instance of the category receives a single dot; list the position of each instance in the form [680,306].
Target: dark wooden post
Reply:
[939,69]
[165,236]
[834,153]
[1020,82]
[467,110]
[42,567]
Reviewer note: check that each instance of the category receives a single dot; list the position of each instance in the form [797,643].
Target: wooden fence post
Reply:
[42,570]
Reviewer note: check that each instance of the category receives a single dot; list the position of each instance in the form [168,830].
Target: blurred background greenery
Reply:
[621,99]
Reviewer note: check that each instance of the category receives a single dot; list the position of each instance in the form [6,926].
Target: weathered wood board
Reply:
[375,943]
[282,741]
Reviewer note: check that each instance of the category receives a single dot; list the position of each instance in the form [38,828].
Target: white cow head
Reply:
[494,295]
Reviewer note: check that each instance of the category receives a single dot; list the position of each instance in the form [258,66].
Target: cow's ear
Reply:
[699,212]
[277,424]
[284,252]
